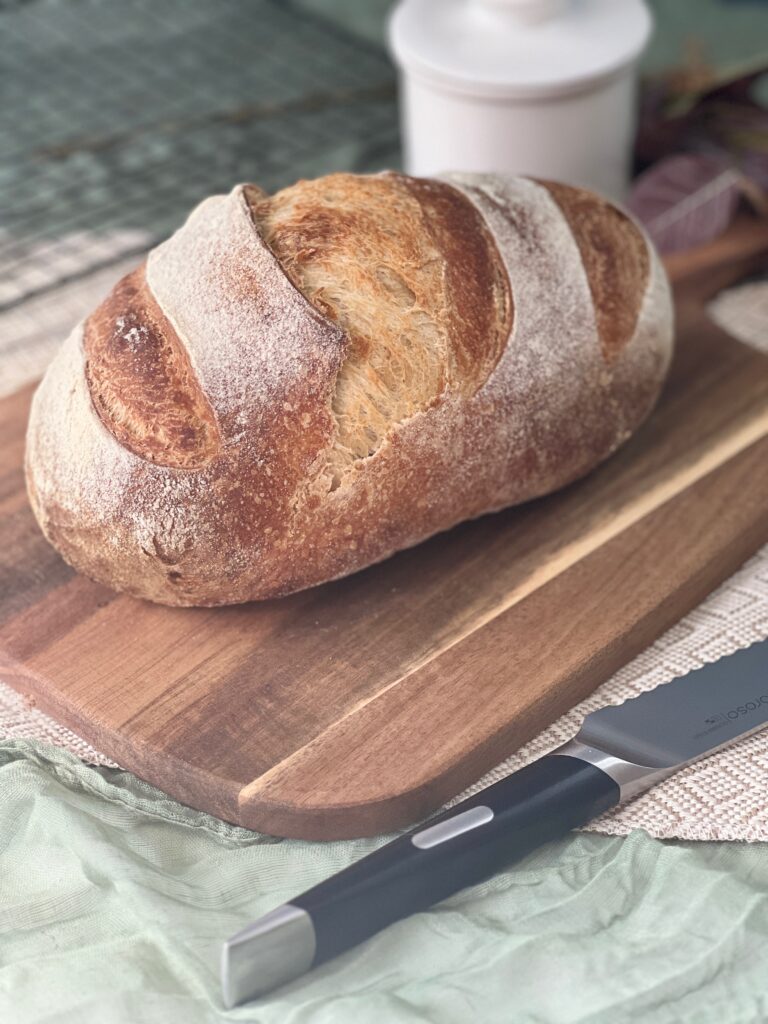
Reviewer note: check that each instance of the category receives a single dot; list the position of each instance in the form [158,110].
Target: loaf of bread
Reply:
[295,386]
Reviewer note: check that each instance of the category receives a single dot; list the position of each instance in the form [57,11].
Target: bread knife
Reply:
[619,751]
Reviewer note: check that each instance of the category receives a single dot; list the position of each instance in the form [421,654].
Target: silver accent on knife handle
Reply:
[632,779]
[460,823]
[272,951]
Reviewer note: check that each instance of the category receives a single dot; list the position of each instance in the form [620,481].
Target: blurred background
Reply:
[119,115]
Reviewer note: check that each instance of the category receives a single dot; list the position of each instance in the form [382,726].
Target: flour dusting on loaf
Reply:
[296,386]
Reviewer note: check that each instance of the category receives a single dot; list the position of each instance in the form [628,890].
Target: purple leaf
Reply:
[686,200]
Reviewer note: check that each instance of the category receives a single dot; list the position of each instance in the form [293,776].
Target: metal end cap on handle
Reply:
[270,952]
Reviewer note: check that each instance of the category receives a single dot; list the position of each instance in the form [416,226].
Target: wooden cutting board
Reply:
[364,704]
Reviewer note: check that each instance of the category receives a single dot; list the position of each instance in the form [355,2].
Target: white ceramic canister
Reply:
[539,87]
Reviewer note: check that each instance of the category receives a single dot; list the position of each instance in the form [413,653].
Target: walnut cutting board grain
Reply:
[362,705]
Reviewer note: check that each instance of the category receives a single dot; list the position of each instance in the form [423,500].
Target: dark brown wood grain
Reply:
[361,705]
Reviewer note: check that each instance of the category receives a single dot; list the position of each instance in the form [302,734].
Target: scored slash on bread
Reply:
[425,308]
[296,386]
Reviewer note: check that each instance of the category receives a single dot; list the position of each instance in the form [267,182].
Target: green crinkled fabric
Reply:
[114,898]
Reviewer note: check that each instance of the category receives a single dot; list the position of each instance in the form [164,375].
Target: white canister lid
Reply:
[517,48]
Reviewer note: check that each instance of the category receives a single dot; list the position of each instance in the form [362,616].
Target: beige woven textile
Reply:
[724,797]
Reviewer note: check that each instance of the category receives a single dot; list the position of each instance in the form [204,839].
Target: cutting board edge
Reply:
[208,792]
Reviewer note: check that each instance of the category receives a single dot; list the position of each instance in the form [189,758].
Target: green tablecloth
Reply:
[114,899]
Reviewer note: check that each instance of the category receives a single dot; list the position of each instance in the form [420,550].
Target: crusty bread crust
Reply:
[227,426]
[426,309]
[615,259]
[141,381]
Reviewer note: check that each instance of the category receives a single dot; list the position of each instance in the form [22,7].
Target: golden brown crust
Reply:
[407,268]
[141,381]
[480,303]
[326,411]
[615,258]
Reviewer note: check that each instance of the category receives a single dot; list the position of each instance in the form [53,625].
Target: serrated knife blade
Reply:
[663,730]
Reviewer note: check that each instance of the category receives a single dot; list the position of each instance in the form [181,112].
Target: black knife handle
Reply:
[461,847]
